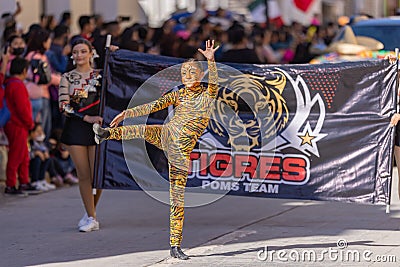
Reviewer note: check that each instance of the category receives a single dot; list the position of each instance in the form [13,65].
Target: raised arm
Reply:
[4,61]
[212,67]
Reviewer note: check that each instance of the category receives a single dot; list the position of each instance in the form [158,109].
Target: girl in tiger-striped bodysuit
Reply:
[177,137]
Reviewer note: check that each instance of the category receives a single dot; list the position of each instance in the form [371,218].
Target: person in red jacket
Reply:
[17,129]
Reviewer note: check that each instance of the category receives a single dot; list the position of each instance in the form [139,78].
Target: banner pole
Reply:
[397,80]
[397,110]
[101,110]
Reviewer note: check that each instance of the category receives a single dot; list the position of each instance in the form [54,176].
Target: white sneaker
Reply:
[48,185]
[40,186]
[82,221]
[91,225]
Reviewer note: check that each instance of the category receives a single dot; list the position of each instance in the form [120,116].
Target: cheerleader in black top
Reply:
[79,98]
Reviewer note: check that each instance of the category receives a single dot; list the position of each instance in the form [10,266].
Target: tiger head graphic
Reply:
[250,110]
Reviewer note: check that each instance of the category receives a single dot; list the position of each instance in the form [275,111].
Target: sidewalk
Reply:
[233,231]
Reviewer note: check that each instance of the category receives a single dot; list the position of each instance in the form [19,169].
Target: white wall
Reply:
[31,10]
[56,8]
[157,10]
[79,8]
[215,4]
[7,6]
[108,9]
[133,10]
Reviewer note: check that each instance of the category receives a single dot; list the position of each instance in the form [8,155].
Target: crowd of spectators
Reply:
[50,41]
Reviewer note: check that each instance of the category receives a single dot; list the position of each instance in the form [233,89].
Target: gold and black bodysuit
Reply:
[177,137]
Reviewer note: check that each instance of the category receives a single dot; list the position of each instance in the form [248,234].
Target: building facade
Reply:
[154,12]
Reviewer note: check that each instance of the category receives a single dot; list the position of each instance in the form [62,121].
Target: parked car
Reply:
[385,30]
[367,38]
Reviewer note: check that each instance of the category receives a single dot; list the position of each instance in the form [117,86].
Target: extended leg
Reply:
[151,133]
[118,133]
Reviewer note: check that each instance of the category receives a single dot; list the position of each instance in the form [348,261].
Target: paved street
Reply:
[233,231]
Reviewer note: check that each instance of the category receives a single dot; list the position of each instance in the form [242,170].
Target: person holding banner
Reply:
[79,98]
[177,137]
[394,122]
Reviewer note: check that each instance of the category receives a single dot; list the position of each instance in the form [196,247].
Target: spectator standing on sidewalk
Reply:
[16,47]
[17,129]
[58,58]
[3,138]
[87,26]
[39,42]
[65,19]
[394,123]
[239,52]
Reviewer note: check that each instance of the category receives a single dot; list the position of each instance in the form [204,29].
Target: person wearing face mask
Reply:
[40,161]
[16,47]
[177,137]
[17,130]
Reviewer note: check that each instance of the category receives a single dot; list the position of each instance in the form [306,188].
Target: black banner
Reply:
[283,131]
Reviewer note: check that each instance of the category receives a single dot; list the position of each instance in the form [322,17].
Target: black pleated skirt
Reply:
[77,132]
